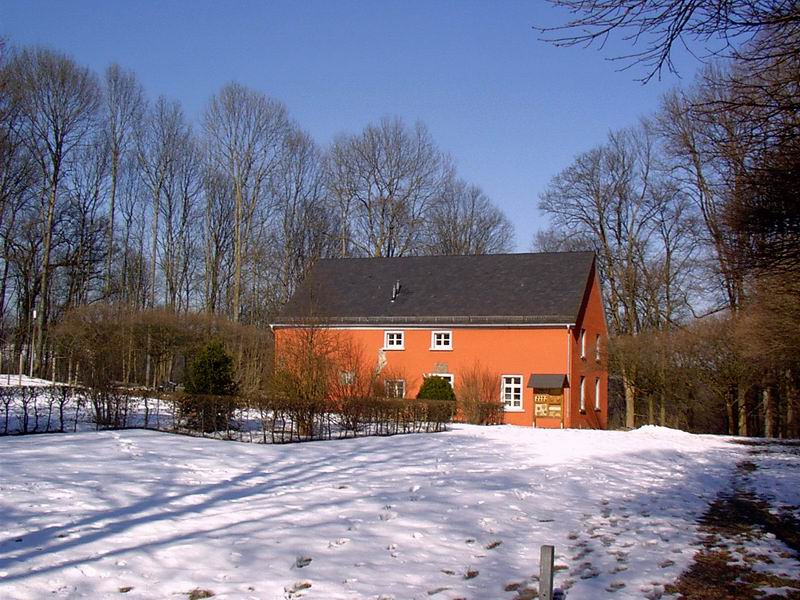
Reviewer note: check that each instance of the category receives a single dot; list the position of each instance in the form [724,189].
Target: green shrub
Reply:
[436,388]
[209,380]
[210,372]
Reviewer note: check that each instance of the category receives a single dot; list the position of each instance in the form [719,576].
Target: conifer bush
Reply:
[207,405]
[436,388]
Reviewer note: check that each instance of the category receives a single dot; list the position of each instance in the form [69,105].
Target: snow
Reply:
[460,514]
[775,479]
[11,380]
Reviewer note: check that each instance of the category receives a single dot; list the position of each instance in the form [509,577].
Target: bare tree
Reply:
[161,143]
[124,106]
[179,212]
[244,132]
[604,199]
[17,176]
[750,29]
[218,235]
[58,104]
[384,181]
[80,246]
[302,220]
[708,154]
[464,221]
[133,202]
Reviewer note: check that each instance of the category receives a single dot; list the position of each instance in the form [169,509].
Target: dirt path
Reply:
[750,546]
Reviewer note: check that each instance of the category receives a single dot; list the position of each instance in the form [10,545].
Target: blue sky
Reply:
[511,110]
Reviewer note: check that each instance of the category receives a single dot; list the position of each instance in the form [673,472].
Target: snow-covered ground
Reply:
[9,380]
[460,514]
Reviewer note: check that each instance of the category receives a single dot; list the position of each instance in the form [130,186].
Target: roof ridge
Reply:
[418,256]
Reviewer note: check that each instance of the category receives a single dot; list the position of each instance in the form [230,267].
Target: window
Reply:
[583,394]
[441,340]
[597,347]
[446,376]
[347,377]
[583,343]
[511,392]
[393,340]
[395,388]
[597,393]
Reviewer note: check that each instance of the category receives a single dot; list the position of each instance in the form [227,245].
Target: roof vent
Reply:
[395,289]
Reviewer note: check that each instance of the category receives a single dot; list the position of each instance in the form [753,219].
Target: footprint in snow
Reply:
[615,586]
[436,591]
[302,561]
[297,587]
[338,543]
[586,571]
[471,573]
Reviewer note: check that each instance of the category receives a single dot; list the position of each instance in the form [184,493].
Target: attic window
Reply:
[393,340]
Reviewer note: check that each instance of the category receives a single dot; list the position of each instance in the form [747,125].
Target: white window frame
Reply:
[583,394]
[394,332]
[451,379]
[448,346]
[508,406]
[402,383]
[597,348]
[597,393]
[583,343]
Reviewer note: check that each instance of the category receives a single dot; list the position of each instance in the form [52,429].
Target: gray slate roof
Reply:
[548,381]
[498,288]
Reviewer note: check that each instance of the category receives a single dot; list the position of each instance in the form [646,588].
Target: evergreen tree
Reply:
[211,372]
[436,388]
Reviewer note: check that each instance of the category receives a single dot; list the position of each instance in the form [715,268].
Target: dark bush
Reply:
[211,372]
[436,388]
[208,404]
[206,413]
[485,413]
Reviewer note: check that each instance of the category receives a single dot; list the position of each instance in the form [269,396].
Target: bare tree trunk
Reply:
[730,413]
[768,411]
[237,257]
[45,280]
[741,395]
[111,215]
[790,421]
[630,401]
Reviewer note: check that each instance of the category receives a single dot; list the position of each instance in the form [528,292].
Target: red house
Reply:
[534,320]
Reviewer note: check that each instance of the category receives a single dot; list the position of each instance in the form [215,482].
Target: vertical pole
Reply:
[33,348]
[546,573]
